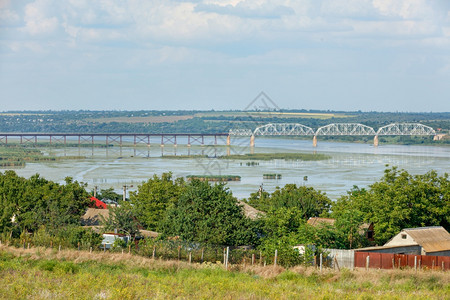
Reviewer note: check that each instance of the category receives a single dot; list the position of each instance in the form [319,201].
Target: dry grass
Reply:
[47,273]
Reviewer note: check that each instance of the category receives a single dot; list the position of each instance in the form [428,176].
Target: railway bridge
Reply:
[112,138]
[335,129]
[273,129]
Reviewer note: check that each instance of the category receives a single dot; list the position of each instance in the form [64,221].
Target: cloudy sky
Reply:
[383,55]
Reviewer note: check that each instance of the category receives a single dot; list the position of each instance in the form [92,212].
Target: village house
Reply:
[433,240]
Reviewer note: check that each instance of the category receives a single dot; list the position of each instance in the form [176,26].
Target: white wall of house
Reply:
[401,239]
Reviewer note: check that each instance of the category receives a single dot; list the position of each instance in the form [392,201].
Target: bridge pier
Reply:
[228,140]
[252,141]
[315,141]
[375,141]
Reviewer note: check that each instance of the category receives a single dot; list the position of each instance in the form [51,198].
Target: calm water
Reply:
[351,164]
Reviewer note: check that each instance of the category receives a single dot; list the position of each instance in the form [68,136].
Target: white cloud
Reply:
[36,20]
[406,9]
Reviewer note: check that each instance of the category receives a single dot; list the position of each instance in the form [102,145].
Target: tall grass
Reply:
[40,273]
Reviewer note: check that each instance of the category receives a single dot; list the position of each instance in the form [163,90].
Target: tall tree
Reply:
[208,214]
[401,200]
[153,198]
[308,201]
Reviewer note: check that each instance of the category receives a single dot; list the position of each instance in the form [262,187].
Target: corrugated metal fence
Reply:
[395,261]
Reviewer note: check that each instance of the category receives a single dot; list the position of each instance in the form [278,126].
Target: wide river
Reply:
[350,164]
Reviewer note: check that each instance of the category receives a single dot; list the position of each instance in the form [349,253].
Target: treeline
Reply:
[198,212]
[204,122]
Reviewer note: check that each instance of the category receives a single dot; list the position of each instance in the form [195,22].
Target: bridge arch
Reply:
[283,129]
[406,129]
[345,129]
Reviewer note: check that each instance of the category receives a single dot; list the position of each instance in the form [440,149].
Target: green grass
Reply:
[14,156]
[285,156]
[68,276]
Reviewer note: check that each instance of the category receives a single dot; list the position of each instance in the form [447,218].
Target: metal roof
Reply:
[432,239]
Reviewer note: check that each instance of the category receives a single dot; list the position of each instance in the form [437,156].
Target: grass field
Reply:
[44,273]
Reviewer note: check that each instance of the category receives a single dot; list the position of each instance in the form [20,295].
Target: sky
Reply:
[345,55]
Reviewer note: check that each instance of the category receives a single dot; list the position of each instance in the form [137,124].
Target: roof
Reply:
[149,233]
[92,216]
[315,221]
[98,203]
[250,211]
[432,239]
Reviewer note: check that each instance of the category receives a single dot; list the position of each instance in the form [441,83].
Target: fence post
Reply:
[202,255]
[399,262]
[51,244]
[276,257]
[154,252]
[443,266]
[104,247]
[59,249]
[253,259]
[226,261]
[393,263]
[260,257]
[367,262]
[320,262]
[415,263]
[90,249]
[28,245]
[179,252]
[224,256]
[129,249]
[432,265]
[190,257]
[420,264]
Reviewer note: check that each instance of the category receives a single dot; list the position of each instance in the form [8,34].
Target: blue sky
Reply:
[382,55]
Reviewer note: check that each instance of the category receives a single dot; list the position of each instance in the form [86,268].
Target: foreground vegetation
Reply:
[45,273]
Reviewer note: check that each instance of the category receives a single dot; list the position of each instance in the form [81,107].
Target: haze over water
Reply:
[350,164]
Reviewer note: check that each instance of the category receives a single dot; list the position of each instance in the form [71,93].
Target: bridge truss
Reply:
[345,129]
[335,129]
[283,129]
[406,129]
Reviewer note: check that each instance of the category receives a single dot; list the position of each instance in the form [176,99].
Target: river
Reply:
[350,164]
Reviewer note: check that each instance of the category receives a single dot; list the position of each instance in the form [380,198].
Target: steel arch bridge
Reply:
[335,129]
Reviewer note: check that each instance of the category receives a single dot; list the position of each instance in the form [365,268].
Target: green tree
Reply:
[36,201]
[153,198]
[109,194]
[401,200]
[308,201]
[121,218]
[209,214]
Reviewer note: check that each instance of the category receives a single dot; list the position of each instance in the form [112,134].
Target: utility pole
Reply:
[125,191]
